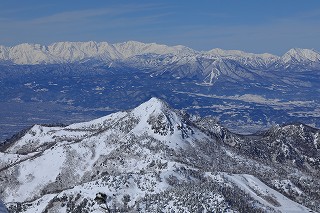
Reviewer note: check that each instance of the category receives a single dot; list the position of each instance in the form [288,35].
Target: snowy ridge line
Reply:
[68,52]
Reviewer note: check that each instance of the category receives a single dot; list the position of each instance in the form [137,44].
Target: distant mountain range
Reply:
[154,158]
[66,52]
[180,61]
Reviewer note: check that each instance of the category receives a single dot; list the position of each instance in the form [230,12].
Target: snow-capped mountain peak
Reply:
[238,53]
[157,118]
[29,54]
[300,55]
[154,105]
[146,159]
[75,51]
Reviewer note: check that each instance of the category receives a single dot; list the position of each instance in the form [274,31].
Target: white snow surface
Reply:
[67,52]
[301,55]
[265,194]
[155,108]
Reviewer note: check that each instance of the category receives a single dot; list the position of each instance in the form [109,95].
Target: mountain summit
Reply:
[301,55]
[154,158]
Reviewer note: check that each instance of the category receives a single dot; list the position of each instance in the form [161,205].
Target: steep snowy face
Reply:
[156,118]
[297,55]
[247,60]
[30,54]
[78,51]
[257,59]
[154,106]
[4,53]
[108,51]
[73,51]
[134,48]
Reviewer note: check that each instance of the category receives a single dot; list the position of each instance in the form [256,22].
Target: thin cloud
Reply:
[80,15]
[71,16]
[79,24]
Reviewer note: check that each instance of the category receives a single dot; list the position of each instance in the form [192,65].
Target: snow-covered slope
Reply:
[133,48]
[147,159]
[298,55]
[265,194]
[257,60]
[300,60]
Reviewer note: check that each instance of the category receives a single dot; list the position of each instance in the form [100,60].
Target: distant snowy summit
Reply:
[69,52]
[66,52]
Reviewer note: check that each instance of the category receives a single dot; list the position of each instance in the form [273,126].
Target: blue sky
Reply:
[258,26]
